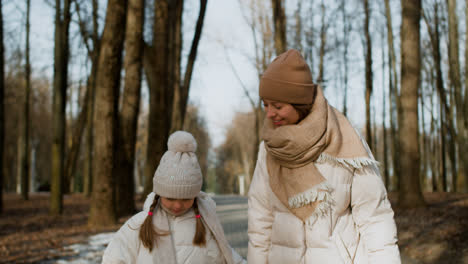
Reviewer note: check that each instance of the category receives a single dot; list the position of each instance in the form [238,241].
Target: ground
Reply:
[435,234]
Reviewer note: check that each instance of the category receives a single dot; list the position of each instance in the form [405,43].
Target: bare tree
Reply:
[156,65]
[162,65]
[94,55]
[279,21]
[133,60]
[463,178]
[256,15]
[102,209]
[298,32]
[385,157]
[446,115]
[23,139]
[75,144]
[410,194]
[181,95]
[62,22]
[369,78]
[455,81]
[196,125]
[394,99]
[2,106]
[346,33]
[323,44]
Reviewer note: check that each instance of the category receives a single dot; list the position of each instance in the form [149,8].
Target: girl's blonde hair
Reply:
[149,235]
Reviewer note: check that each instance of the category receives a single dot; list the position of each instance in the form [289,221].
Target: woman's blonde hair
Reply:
[149,235]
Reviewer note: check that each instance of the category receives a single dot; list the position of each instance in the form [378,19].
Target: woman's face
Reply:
[280,113]
[176,206]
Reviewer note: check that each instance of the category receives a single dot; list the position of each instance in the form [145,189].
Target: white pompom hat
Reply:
[178,175]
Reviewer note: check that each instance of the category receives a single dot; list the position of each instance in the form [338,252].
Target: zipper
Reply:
[172,238]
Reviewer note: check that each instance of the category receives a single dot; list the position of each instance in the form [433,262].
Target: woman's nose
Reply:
[270,112]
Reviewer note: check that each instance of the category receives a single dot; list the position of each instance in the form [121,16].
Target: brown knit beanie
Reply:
[288,79]
[178,175]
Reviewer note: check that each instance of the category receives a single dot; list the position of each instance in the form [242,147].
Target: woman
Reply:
[316,194]
[178,223]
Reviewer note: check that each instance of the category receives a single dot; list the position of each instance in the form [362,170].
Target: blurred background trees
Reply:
[120,86]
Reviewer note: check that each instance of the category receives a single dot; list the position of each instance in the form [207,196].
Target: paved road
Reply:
[232,212]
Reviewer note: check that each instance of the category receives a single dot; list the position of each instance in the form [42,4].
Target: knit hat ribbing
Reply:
[288,79]
[178,175]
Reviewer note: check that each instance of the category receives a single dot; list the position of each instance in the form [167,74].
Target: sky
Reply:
[214,87]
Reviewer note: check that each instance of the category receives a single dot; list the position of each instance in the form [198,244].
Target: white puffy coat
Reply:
[359,229]
[177,248]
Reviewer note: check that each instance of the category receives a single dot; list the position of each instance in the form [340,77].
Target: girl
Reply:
[316,194]
[178,223]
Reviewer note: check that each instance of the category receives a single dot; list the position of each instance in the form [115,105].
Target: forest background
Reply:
[92,89]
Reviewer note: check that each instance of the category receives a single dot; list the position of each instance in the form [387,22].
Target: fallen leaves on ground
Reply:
[437,233]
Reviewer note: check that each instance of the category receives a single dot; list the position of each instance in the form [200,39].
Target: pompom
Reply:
[181,141]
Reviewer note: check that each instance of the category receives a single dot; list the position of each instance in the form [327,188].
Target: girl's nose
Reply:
[178,205]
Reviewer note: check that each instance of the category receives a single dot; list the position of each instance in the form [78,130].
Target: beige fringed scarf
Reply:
[324,135]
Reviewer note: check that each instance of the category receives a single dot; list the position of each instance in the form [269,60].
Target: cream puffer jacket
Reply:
[177,248]
[359,229]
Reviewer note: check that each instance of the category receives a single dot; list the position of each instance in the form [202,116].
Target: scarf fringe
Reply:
[321,192]
[353,163]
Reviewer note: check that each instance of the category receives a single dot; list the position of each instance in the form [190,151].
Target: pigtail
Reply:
[148,235]
[199,238]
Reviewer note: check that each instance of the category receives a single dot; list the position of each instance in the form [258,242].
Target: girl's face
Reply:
[176,206]
[280,113]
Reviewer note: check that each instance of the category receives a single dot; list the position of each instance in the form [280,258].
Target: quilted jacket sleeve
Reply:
[125,244]
[260,215]
[373,215]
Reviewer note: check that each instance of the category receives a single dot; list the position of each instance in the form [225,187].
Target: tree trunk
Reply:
[88,167]
[77,135]
[181,95]
[463,183]
[23,140]
[433,146]
[59,103]
[125,190]
[279,21]
[323,44]
[446,115]
[369,78]
[384,128]
[410,194]
[298,29]
[310,39]
[174,51]
[102,209]
[394,101]
[156,61]
[2,106]
[346,30]
[455,81]
[422,141]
